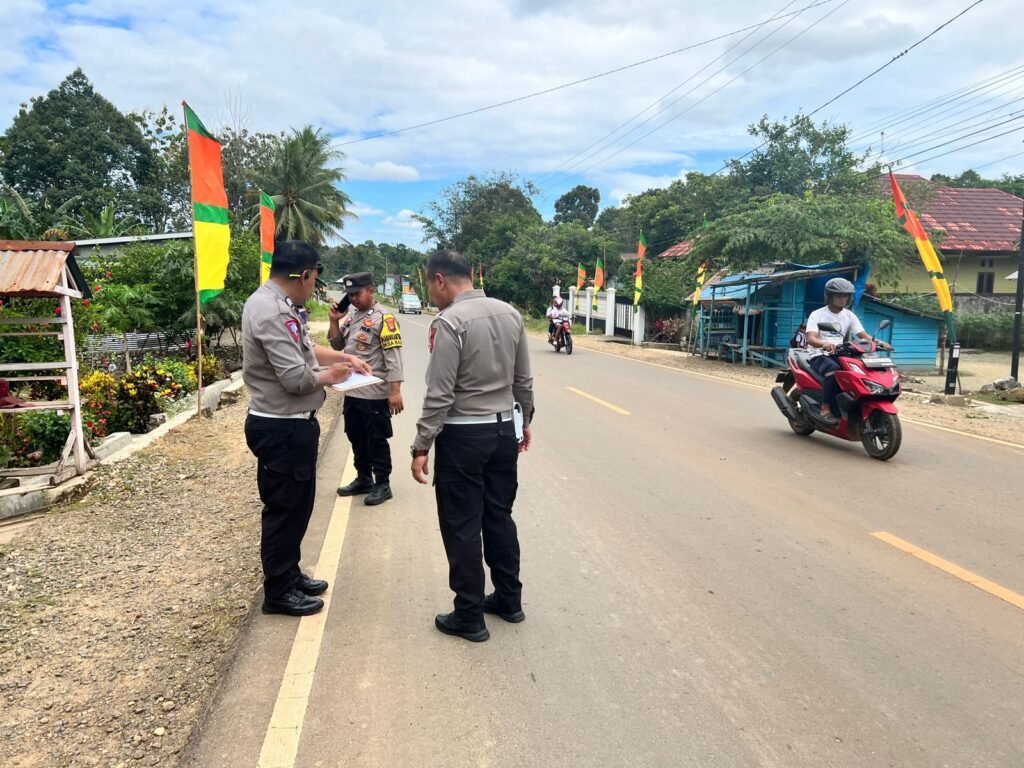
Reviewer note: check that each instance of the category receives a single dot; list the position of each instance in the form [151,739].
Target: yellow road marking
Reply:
[281,742]
[952,569]
[599,401]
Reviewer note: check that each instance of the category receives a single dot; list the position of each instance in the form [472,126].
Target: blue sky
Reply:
[358,68]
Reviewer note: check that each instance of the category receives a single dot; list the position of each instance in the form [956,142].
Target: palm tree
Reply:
[20,220]
[106,224]
[302,178]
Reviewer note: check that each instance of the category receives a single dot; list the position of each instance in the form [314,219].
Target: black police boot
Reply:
[381,492]
[493,605]
[308,586]
[293,603]
[450,625]
[362,484]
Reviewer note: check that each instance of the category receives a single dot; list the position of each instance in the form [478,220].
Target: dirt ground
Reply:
[1000,422]
[118,612]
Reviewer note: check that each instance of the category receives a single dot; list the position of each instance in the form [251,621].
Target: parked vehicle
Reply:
[868,387]
[562,336]
[409,302]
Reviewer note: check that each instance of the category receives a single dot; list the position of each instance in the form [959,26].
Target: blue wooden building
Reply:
[751,317]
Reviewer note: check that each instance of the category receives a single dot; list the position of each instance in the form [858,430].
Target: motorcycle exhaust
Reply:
[784,403]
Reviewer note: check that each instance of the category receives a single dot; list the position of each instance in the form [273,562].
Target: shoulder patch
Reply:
[390,335]
[430,343]
[293,327]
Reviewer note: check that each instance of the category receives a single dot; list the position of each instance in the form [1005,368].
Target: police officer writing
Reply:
[372,335]
[285,373]
[476,415]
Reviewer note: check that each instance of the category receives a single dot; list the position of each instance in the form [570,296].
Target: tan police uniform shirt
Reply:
[373,336]
[279,365]
[479,364]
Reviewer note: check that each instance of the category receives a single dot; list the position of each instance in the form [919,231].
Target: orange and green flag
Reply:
[638,283]
[598,279]
[912,224]
[702,272]
[581,277]
[209,208]
[266,235]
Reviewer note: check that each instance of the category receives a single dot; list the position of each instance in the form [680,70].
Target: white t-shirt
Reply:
[558,313]
[849,326]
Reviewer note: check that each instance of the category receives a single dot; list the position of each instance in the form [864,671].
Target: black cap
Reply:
[293,256]
[357,281]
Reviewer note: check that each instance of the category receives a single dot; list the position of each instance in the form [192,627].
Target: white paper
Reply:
[355,381]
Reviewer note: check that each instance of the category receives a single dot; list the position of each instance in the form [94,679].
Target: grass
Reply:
[539,327]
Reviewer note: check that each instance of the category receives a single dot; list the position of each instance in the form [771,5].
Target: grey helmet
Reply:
[838,286]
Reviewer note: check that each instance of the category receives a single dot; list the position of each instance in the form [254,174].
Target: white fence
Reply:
[614,315]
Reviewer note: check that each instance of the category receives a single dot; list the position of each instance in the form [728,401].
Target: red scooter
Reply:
[868,387]
[562,336]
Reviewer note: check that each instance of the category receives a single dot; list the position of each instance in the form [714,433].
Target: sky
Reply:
[356,69]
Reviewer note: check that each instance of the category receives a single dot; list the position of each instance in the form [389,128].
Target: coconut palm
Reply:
[303,179]
[106,224]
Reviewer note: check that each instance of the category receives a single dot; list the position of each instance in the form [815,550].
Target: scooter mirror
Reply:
[884,324]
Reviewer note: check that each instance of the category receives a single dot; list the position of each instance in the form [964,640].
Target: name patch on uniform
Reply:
[293,327]
[390,336]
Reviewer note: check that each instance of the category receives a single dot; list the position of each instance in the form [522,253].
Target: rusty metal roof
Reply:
[32,269]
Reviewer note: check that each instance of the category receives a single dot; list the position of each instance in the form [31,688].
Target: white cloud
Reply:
[403,220]
[363,210]
[381,171]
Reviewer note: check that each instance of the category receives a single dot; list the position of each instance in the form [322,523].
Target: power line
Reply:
[552,173]
[575,82]
[1000,160]
[893,60]
[959,149]
[712,93]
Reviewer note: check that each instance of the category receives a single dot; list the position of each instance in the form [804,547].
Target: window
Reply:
[986,282]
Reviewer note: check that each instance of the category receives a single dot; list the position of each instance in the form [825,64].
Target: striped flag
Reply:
[581,276]
[267,228]
[638,283]
[910,222]
[702,272]
[209,208]
[598,279]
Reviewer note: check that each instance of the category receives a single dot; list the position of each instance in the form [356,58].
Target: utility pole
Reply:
[1019,304]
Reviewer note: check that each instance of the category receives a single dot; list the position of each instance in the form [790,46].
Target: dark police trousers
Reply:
[475,482]
[286,451]
[368,427]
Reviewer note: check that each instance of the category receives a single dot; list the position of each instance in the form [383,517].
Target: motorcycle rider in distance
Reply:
[826,329]
[555,313]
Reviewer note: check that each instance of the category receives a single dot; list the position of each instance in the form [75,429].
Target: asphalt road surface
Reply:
[702,588]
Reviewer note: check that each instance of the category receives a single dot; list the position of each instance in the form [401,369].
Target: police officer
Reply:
[285,373]
[479,371]
[373,335]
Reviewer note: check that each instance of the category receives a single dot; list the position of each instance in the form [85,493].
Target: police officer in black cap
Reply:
[285,373]
[371,334]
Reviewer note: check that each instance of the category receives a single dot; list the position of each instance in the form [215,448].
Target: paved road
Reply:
[701,587]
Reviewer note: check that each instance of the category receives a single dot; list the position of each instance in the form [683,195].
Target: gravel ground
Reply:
[118,612]
[1002,422]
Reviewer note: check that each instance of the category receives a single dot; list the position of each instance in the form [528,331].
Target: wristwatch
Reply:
[417,452]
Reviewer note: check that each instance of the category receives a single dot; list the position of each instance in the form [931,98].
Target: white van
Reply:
[409,302]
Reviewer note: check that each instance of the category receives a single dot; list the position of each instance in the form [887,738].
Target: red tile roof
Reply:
[973,219]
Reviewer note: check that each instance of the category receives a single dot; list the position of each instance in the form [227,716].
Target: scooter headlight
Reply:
[856,368]
[874,387]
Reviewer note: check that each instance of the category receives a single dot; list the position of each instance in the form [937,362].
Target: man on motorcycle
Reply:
[827,328]
[556,313]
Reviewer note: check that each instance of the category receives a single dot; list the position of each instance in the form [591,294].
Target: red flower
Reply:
[98,288]
[56,310]
[85,302]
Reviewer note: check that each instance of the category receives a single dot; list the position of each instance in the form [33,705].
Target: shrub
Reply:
[213,370]
[142,393]
[989,330]
[98,392]
[45,431]
[183,373]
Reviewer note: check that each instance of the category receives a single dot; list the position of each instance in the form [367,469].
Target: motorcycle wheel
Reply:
[882,435]
[568,345]
[558,345]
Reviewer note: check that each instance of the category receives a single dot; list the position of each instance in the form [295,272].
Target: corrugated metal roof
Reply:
[32,268]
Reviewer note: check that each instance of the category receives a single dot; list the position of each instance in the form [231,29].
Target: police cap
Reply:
[355,282]
[292,256]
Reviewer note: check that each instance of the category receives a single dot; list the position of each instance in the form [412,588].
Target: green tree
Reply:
[971,179]
[302,178]
[800,157]
[480,217]
[125,309]
[578,206]
[21,220]
[811,230]
[106,224]
[74,144]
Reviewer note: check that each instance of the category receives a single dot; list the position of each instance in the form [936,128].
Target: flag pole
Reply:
[195,283]
[1018,306]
